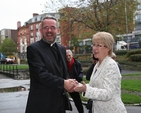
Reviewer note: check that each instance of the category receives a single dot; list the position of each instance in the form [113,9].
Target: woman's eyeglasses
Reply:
[98,45]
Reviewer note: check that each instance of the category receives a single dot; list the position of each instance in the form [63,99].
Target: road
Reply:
[129,72]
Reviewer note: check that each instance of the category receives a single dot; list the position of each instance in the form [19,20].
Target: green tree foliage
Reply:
[74,42]
[8,47]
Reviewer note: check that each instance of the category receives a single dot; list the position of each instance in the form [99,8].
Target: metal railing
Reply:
[11,70]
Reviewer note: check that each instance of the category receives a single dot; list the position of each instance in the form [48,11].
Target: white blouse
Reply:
[105,88]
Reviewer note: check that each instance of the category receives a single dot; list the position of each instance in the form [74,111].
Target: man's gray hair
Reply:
[69,51]
[49,17]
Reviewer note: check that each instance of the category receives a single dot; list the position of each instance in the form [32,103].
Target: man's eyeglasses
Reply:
[98,45]
[47,27]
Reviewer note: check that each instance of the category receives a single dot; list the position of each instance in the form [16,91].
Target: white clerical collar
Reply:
[52,44]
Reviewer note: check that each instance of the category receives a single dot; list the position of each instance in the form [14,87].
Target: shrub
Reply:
[135,57]
[132,52]
[83,57]
[23,61]
[121,52]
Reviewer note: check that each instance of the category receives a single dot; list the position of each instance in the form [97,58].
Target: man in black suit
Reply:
[48,72]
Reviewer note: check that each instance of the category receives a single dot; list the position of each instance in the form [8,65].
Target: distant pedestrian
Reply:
[114,57]
[75,72]
[90,70]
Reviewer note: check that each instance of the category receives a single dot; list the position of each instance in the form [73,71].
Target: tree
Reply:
[8,47]
[114,16]
[74,44]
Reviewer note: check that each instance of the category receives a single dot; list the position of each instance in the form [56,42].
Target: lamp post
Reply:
[126,23]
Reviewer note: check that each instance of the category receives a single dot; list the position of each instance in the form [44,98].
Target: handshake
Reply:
[71,85]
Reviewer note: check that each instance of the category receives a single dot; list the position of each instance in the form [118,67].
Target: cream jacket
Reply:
[105,88]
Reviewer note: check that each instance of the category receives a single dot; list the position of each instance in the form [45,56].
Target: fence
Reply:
[11,70]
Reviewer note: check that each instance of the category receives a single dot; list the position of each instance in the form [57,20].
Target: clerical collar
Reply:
[49,44]
[52,44]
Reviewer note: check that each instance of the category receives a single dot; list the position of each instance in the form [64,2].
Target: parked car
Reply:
[134,45]
[9,61]
[5,60]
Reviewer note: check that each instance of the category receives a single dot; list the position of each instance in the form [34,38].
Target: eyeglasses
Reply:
[98,45]
[47,27]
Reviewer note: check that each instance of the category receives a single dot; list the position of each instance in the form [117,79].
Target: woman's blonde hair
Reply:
[105,38]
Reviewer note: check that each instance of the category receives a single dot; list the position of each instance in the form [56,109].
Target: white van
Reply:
[121,45]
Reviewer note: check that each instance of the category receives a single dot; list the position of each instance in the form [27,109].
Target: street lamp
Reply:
[126,22]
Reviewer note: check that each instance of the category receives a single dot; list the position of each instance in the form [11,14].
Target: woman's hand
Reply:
[81,87]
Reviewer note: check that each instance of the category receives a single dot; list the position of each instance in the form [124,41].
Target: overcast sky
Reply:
[12,11]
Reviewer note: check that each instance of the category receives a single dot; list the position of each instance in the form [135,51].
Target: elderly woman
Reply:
[105,82]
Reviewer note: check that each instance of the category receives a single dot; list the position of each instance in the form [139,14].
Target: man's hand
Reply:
[69,84]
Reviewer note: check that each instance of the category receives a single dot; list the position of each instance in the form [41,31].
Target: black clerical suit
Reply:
[46,78]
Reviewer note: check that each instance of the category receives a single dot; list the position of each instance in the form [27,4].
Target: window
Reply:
[139,7]
[138,17]
[80,43]
[38,18]
[37,26]
[57,16]
[31,27]
[58,39]
[33,19]
[31,35]
[31,40]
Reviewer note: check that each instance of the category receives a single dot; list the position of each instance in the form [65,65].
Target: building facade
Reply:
[9,33]
[135,35]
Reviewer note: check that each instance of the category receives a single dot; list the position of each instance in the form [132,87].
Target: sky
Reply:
[12,11]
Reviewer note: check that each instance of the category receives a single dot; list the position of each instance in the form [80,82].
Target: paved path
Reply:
[15,102]
[129,72]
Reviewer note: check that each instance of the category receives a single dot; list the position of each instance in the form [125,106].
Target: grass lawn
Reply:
[131,85]
[11,67]
[130,99]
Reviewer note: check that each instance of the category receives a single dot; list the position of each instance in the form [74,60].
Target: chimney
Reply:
[35,14]
[18,24]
